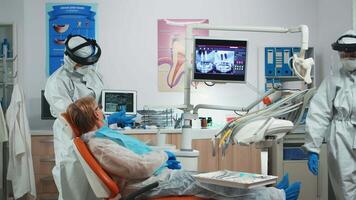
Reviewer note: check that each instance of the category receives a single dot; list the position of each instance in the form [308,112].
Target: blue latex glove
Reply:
[292,192]
[284,183]
[113,118]
[313,163]
[171,155]
[120,118]
[173,164]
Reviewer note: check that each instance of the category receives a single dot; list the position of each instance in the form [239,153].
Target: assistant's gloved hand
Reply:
[170,155]
[292,192]
[313,163]
[284,183]
[173,164]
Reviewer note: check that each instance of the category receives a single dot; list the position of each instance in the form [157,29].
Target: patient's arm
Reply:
[122,162]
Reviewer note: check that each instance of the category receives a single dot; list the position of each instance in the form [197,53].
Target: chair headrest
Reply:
[74,128]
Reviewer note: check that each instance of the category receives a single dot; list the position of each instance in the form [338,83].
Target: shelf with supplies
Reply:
[9,59]
[2,83]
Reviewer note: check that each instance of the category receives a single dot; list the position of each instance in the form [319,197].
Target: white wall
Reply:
[135,27]
[334,18]
[128,37]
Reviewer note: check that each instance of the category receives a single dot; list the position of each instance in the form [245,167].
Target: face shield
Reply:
[346,48]
[82,52]
[335,63]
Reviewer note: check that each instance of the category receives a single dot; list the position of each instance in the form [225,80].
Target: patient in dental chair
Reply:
[137,165]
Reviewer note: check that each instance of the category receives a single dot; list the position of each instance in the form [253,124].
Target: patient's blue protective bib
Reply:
[131,143]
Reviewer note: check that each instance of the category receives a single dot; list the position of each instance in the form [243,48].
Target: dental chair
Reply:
[100,181]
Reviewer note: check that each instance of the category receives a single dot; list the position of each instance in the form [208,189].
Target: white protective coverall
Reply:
[332,116]
[20,169]
[138,170]
[63,87]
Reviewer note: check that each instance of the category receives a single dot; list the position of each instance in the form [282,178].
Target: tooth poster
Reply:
[171,52]
[65,19]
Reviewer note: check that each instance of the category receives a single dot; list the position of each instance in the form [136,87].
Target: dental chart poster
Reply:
[62,20]
[171,52]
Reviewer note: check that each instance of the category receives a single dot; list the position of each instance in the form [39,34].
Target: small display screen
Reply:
[114,101]
[45,108]
[220,60]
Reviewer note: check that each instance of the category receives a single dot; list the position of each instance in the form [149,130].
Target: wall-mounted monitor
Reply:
[114,100]
[219,60]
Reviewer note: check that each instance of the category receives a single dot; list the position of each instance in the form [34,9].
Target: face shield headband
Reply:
[91,59]
[337,46]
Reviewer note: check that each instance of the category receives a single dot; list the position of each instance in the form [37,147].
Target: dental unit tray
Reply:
[235,179]
[160,117]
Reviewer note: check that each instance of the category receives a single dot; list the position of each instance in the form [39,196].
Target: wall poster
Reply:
[62,20]
[171,52]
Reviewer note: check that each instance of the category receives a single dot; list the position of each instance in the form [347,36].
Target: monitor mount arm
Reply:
[301,67]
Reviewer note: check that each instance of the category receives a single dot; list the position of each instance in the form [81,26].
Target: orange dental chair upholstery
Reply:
[101,183]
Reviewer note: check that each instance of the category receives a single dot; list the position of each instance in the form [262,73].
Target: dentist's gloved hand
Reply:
[170,155]
[173,164]
[126,120]
[313,163]
[115,117]
[120,118]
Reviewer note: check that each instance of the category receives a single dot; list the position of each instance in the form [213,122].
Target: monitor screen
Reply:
[114,100]
[45,108]
[220,60]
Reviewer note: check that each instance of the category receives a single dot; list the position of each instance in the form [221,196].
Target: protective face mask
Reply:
[349,64]
[83,69]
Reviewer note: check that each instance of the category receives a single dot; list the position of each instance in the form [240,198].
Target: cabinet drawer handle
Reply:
[47,160]
[46,141]
[47,178]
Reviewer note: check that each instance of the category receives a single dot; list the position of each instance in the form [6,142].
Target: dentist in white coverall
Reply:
[76,78]
[332,117]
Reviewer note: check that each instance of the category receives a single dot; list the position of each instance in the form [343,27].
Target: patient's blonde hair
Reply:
[82,114]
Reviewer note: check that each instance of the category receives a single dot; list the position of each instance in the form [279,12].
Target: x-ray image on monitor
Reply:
[205,60]
[224,61]
[220,60]
[117,100]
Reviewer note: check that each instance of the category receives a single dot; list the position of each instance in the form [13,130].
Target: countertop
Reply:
[197,133]
[129,131]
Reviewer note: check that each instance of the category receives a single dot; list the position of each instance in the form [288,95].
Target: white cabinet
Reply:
[313,187]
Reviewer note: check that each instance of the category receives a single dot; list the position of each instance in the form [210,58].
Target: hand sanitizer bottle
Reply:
[5,45]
